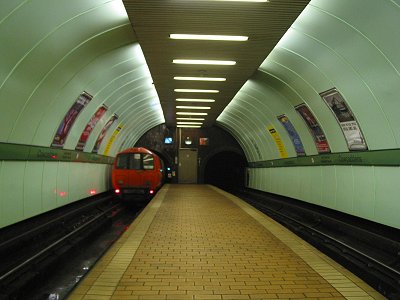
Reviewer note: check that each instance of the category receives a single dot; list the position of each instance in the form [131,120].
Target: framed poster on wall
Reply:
[69,119]
[349,125]
[316,131]
[103,133]
[89,127]
[278,141]
[294,136]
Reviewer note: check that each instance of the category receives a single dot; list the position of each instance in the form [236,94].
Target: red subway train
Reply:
[137,171]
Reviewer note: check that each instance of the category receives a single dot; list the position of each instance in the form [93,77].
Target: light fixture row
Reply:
[228,38]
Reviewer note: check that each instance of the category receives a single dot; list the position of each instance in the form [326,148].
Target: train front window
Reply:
[135,162]
[122,161]
[148,162]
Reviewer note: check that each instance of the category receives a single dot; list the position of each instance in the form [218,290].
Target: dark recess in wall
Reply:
[219,142]
[226,170]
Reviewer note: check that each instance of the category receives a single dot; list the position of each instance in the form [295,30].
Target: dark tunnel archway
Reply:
[226,170]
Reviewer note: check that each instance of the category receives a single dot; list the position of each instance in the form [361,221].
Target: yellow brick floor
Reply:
[198,242]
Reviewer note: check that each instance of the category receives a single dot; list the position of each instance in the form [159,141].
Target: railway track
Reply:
[30,251]
[371,251]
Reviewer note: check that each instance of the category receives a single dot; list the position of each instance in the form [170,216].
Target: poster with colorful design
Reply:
[279,144]
[316,131]
[89,127]
[69,119]
[112,139]
[294,136]
[351,131]
[103,133]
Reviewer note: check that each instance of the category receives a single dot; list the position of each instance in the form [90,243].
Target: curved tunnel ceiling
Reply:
[347,45]
[58,49]
[53,51]
[154,21]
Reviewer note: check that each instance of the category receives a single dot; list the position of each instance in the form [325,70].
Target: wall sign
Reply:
[316,131]
[89,127]
[103,133]
[69,119]
[294,136]
[112,139]
[351,131]
[279,144]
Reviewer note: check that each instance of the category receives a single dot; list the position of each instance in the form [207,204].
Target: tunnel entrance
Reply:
[226,170]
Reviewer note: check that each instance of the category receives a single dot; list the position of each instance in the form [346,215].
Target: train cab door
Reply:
[136,175]
[187,171]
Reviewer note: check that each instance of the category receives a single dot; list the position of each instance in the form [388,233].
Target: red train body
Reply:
[137,171]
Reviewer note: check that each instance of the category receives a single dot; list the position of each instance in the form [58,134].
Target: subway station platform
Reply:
[199,242]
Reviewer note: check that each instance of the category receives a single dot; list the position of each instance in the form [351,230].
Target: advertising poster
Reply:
[279,144]
[294,136]
[203,141]
[344,116]
[89,127]
[112,139]
[319,137]
[69,119]
[103,133]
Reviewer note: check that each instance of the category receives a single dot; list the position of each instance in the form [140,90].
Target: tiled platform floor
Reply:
[198,242]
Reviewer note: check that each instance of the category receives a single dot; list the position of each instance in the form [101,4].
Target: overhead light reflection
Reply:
[204,62]
[194,100]
[208,37]
[200,78]
[195,91]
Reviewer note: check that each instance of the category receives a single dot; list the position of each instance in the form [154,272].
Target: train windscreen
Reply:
[135,161]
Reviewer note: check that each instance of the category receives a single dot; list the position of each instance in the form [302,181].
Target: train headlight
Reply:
[117,191]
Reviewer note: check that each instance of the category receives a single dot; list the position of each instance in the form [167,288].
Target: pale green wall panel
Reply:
[54,96]
[329,186]
[9,7]
[387,205]
[37,63]
[62,183]
[49,185]
[364,192]
[33,188]
[345,189]
[12,191]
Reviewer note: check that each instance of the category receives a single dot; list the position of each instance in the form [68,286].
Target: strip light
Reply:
[190,113]
[244,0]
[193,107]
[208,37]
[189,123]
[194,100]
[190,119]
[195,91]
[204,62]
[200,78]
[188,126]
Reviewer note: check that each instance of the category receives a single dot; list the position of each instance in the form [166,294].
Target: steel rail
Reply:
[383,265]
[53,245]
[55,220]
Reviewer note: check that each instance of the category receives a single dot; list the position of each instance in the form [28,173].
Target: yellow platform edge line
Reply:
[345,282]
[102,280]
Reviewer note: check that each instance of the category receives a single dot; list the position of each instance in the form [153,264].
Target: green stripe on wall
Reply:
[36,153]
[365,158]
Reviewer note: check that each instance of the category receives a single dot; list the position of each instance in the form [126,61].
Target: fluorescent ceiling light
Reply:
[204,62]
[194,100]
[188,113]
[188,126]
[244,0]
[190,119]
[208,37]
[189,123]
[195,91]
[193,107]
[200,78]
